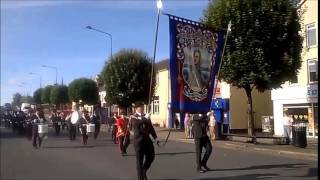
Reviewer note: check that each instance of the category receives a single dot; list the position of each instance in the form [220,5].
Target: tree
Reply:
[264,46]
[127,78]
[85,90]
[27,99]
[37,96]
[59,95]
[16,100]
[45,96]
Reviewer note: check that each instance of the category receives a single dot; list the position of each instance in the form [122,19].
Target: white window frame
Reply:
[307,29]
[308,61]
[155,105]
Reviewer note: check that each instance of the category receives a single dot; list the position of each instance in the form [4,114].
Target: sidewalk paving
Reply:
[311,151]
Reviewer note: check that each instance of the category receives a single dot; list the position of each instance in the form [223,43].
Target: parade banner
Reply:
[195,56]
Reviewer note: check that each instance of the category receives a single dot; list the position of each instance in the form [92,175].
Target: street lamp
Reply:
[37,75]
[92,28]
[159,6]
[52,67]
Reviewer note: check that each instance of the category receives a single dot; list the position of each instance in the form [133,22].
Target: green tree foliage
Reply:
[27,99]
[37,96]
[127,78]
[85,90]
[46,92]
[264,47]
[17,97]
[59,95]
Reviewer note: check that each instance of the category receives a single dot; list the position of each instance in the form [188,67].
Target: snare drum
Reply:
[90,128]
[43,128]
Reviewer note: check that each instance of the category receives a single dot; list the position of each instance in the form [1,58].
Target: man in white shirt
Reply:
[287,123]
[74,118]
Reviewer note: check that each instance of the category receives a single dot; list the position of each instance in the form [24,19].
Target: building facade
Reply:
[300,96]
[235,116]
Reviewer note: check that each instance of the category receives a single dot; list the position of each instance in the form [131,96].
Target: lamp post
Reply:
[37,75]
[100,31]
[159,6]
[52,67]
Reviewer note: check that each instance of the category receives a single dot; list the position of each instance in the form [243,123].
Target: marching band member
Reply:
[95,119]
[202,140]
[56,121]
[83,121]
[113,126]
[143,145]
[36,136]
[122,133]
[73,121]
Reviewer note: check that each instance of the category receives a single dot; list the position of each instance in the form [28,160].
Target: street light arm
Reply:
[100,31]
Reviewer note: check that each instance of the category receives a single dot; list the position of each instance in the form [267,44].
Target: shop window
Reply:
[311,35]
[155,105]
[313,71]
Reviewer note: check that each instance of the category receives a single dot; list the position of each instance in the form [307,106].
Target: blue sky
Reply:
[53,33]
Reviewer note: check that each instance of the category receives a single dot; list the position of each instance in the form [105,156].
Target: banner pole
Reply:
[153,60]
[224,46]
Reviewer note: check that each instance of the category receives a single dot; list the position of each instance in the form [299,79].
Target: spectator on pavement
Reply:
[287,124]
[212,125]
[187,123]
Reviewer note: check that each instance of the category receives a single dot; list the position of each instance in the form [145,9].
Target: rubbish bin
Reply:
[299,134]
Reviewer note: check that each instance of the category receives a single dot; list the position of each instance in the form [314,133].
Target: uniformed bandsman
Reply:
[141,124]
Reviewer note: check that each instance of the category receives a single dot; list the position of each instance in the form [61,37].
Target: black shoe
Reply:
[206,168]
[144,174]
[201,171]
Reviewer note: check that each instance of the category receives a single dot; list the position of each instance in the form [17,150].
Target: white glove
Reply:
[147,116]
[208,114]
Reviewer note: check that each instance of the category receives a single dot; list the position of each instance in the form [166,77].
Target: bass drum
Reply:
[43,128]
[90,128]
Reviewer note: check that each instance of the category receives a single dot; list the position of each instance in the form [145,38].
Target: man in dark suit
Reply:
[141,124]
[201,139]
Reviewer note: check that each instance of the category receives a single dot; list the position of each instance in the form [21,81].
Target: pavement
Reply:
[239,143]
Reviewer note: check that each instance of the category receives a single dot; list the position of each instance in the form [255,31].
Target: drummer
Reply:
[37,137]
[73,119]
[95,119]
[123,134]
[83,121]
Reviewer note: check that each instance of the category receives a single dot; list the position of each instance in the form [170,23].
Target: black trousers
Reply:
[57,128]
[202,143]
[144,150]
[124,143]
[36,138]
[96,131]
[72,131]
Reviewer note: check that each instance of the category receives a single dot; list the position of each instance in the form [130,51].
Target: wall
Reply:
[162,90]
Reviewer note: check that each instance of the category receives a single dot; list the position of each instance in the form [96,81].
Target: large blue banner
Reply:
[195,56]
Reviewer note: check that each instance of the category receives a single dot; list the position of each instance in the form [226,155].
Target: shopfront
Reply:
[307,112]
[301,102]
